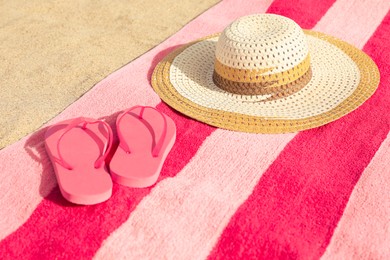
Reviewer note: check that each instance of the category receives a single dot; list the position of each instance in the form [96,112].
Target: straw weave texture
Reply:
[218,114]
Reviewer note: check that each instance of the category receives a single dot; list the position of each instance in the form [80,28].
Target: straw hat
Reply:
[264,74]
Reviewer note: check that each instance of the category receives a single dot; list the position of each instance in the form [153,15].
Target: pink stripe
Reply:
[89,215]
[196,205]
[91,225]
[340,23]
[363,231]
[59,228]
[298,202]
[195,195]
[27,174]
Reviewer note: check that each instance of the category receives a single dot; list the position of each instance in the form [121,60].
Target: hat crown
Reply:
[267,42]
[262,54]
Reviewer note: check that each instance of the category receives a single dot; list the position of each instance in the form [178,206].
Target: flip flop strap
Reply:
[85,122]
[123,144]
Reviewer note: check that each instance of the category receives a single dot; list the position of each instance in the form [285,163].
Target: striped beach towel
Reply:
[321,193]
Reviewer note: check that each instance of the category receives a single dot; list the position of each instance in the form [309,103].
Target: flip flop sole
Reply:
[84,184]
[139,168]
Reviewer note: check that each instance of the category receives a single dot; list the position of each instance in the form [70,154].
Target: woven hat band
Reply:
[262,88]
[257,82]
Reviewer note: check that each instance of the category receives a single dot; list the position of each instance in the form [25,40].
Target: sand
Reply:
[52,52]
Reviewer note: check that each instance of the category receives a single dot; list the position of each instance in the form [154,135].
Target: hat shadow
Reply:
[159,57]
[35,148]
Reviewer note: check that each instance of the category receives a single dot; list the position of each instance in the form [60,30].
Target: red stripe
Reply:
[298,202]
[306,13]
[57,229]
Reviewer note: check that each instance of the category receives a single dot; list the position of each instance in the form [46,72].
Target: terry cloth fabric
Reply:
[51,53]
[222,194]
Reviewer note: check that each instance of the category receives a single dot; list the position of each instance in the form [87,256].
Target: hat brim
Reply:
[351,78]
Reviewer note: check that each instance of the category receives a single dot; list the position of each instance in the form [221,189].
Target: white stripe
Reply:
[27,175]
[363,231]
[184,216]
[353,21]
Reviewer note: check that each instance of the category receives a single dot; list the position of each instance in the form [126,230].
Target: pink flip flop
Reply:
[78,149]
[146,136]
